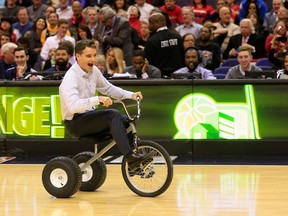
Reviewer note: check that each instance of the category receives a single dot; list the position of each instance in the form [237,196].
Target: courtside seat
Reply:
[264,62]
[230,62]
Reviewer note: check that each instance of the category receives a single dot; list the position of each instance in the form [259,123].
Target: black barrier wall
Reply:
[198,118]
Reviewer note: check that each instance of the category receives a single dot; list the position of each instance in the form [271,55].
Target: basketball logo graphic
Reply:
[190,111]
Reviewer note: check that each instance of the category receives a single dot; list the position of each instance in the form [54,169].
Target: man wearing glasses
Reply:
[115,32]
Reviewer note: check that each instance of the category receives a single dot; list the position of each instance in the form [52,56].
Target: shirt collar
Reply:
[162,28]
[243,72]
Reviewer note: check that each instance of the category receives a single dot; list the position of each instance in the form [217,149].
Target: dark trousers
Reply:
[98,120]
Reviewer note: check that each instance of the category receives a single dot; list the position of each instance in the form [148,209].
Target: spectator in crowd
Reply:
[64,11]
[7,52]
[51,61]
[34,40]
[52,27]
[70,47]
[115,32]
[21,69]
[100,63]
[120,5]
[261,5]
[5,37]
[134,18]
[11,10]
[53,41]
[167,19]
[145,9]
[49,9]
[277,58]
[34,59]
[258,27]
[164,48]
[6,26]
[34,34]
[282,14]
[283,73]
[245,38]
[201,9]
[271,16]
[279,32]
[192,65]
[244,58]
[225,28]
[77,18]
[261,34]
[189,25]
[92,21]
[37,9]
[23,25]
[174,12]
[235,8]
[145,34]
[62,58]
[83,32]
[251,8]
[141,67]
[214,15]
[210,51]
[189,40]
[115,63]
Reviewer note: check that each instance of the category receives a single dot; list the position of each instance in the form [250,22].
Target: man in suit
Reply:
[93,22]
[115,32]
[271,17]
[245,38]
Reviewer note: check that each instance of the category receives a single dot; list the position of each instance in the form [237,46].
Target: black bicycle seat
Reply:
[96,138]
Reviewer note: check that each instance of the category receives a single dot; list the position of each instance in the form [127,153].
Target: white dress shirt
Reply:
[78,88]
[53,42]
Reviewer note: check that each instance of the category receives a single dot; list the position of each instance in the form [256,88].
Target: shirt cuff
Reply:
[94,101]
[144,75]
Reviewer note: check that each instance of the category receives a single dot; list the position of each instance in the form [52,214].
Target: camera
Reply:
[282,39]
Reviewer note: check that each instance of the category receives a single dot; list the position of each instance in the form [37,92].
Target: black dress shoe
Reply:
[136,159]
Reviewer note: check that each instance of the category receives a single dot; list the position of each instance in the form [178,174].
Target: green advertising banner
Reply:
[214,111]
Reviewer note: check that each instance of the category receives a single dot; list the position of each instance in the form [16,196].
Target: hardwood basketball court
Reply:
[199,190]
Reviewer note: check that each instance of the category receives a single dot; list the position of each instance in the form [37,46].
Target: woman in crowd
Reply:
[201,9]
[253,8]
[83,32]
[34,35]
[134,16]
[101,65]
[145,34]
[115,61]
[188,40]
[120,4]
[261,5]
[279,34]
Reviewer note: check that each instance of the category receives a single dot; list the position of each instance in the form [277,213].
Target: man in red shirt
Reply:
[174,12]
